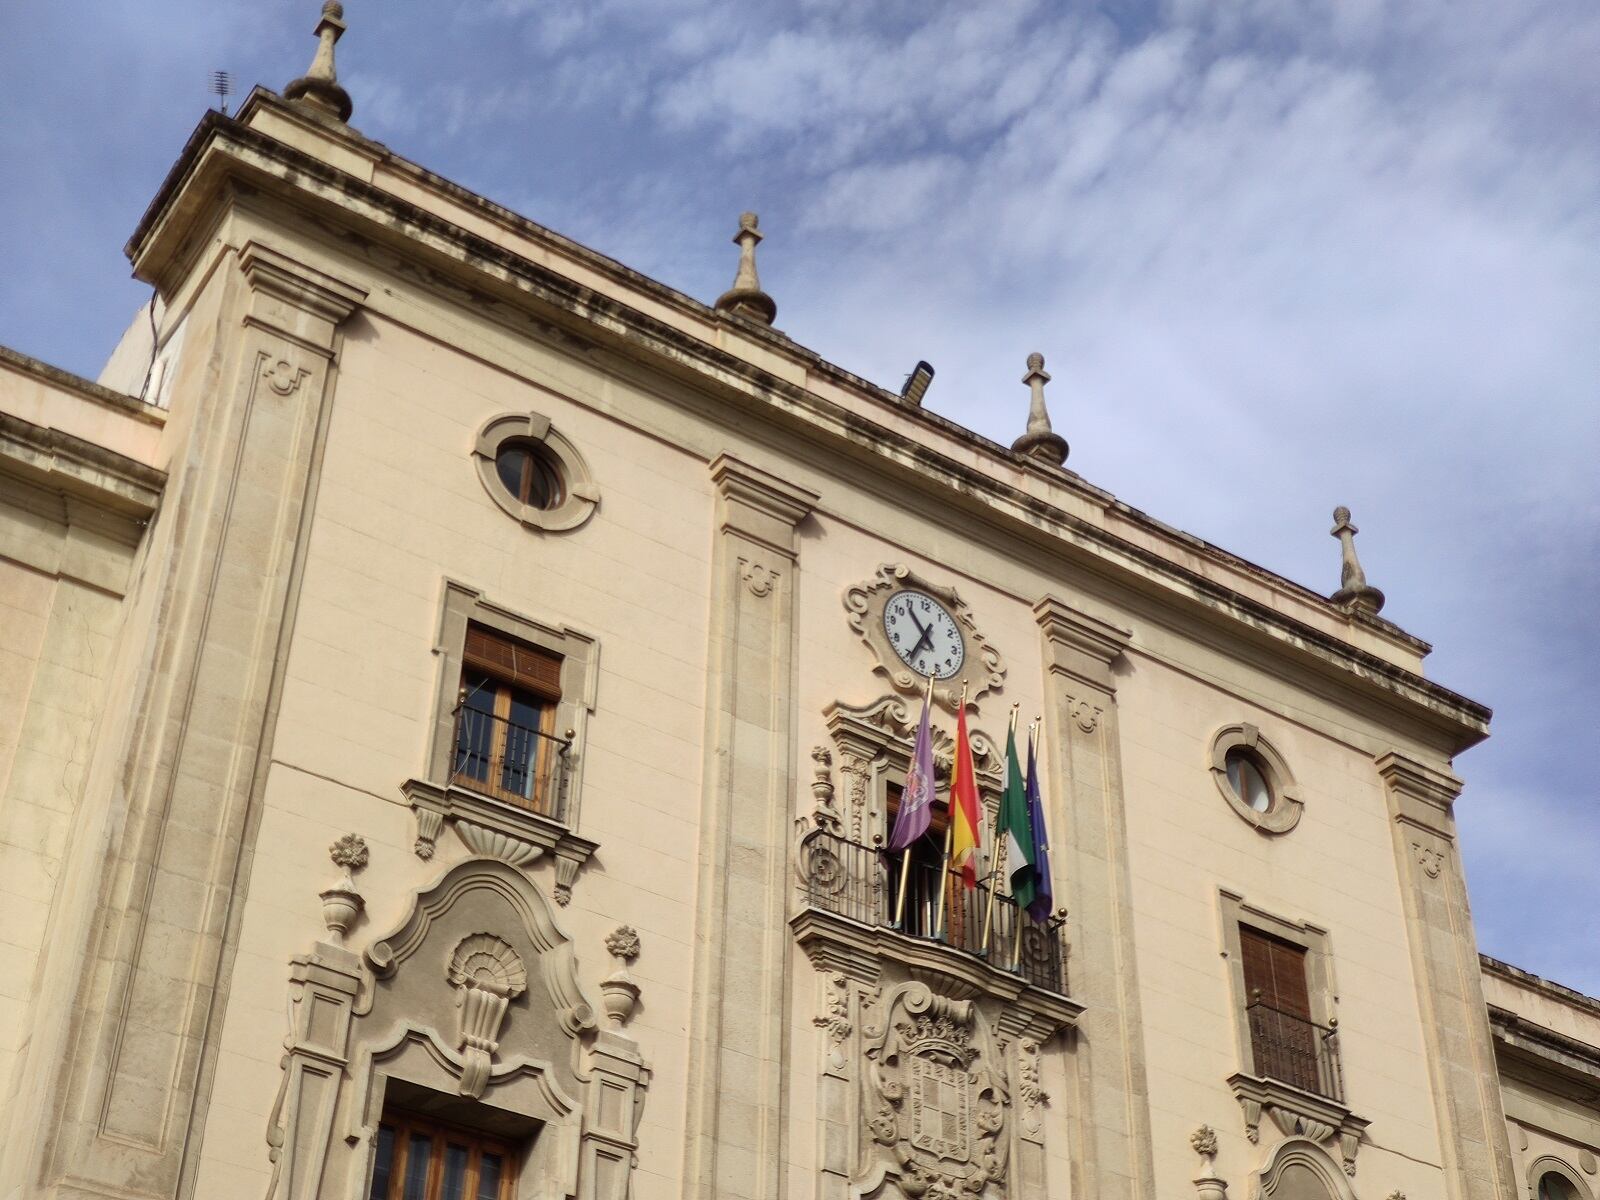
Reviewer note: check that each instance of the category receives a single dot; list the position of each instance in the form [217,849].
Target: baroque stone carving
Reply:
[342,904]
[824,815]
[934,1095]
[1298,1115]
[1030,1093]
[619,992]
[282,376]
[897,717]
[836,1020]
[488,974]
[429,825]
[1429,859]
[757,577]
[983,670]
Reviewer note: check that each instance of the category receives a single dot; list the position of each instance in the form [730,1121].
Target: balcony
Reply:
[510,762]
[1295,1050]
[861,884]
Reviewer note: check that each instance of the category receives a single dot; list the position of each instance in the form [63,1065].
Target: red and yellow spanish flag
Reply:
[964,823]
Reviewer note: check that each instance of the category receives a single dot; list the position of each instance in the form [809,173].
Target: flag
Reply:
[1039,906]
[916,798]
[964,823]
[1014,828]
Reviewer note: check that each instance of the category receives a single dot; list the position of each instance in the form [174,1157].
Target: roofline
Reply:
[86,388]
[424,229]
[1537,983]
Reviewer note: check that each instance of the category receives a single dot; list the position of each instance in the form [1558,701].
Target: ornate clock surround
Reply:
[984,670]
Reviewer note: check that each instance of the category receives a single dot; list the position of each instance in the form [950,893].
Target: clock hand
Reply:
[925,640]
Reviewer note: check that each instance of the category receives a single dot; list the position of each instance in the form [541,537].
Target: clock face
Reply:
[924,634]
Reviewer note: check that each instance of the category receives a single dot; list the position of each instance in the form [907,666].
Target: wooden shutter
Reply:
[1277,969]
[514,662]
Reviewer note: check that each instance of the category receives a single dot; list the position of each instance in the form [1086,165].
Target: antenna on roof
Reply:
[222,87]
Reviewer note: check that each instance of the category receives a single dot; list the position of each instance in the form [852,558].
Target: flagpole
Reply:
[1000,851]
[1033,748]
[905,857]
[949,831]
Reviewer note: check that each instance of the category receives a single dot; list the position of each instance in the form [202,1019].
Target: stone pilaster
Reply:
[322,990]
[1111,1119]
[617,1079]
[1444,958]
[735,1125]
[224,567]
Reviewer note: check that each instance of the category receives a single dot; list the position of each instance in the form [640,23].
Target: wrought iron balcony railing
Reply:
[511,762]
[863,883]
[1295,1050]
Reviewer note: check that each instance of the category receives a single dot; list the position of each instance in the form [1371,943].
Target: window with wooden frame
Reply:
[1285,1041]
[418,1159]
[506,743]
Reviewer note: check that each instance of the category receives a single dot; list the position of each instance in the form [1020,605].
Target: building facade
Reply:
[454,704]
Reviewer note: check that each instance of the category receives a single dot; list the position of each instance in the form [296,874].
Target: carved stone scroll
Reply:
[984,670]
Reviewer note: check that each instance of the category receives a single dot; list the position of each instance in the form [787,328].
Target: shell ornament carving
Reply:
[488,974]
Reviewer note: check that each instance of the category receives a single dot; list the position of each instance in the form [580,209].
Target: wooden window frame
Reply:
[577,652]
[1321,987]
[443,1133]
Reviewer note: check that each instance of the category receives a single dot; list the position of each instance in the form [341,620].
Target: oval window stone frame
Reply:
[1284,814]
[582,494]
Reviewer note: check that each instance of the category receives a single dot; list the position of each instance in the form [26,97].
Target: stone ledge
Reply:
[1298,1113]
[493,828]
[858,951]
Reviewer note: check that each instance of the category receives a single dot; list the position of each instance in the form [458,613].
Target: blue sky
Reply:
[1278,257]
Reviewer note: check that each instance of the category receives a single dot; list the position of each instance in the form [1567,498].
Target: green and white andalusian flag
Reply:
[1016,830]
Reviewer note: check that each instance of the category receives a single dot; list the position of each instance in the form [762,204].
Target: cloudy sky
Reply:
[1278,257]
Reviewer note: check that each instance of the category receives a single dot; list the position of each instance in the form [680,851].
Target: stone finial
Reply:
[619,993]
[745,298]
[319,87]
[342,904]
[1040,441]
[1354,591]
[1208,1186]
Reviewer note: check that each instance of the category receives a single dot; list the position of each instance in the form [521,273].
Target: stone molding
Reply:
[1110,1140]
[1459,1045]
[982,668]
[1303,1153]
[1287,806]
[492,828]
[526,289]
[835,944]
[759,505]
[581,494]
[1298,1114]
[742,971]
[133,1099]
[1081,646]
[437,1008]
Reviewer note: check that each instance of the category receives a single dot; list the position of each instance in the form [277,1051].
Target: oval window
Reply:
[1248,779]
[530,475]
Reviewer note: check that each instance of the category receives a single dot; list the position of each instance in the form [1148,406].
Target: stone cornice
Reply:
[967,476]
[86,389]
[758,505]
[1528,981]
[1574,1060]
[63,463]
[836,943]
[1419,794]
[1079,644]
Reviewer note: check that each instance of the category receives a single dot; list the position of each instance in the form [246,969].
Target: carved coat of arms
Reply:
[934,1095]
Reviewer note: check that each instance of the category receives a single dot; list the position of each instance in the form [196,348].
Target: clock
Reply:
[923,634]
[916,627]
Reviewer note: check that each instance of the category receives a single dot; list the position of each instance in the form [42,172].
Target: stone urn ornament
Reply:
[619,993]
[342,904]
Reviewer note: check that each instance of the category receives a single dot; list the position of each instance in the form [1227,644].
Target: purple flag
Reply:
[916,798]
[1039,907]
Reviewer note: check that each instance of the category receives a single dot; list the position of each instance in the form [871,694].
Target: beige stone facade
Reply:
[239,628]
